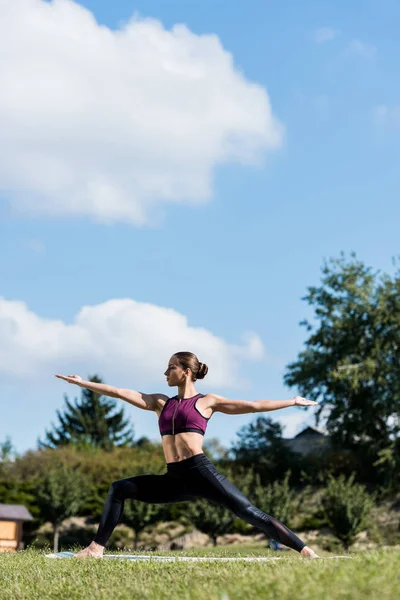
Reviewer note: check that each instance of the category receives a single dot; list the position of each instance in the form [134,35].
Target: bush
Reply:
[347,506]
[275,499]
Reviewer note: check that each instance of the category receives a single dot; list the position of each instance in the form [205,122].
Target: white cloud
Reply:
[363,49]
[121,338]
[110,124]
[325,34]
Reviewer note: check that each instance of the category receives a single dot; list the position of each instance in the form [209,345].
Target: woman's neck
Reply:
[187,390]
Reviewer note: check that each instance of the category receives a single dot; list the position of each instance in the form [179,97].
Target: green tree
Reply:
[92,421]
[215,450]
[7,451]
[60,496]
[260,446]
[350,362]
[347,506]
[210,518]
[387,466]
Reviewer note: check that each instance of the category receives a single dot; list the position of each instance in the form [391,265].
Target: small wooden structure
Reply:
[12,517]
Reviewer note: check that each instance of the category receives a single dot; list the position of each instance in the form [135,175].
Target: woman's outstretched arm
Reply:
[242,407]
[144,401]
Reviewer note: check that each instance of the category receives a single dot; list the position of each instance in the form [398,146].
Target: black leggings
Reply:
[195,477]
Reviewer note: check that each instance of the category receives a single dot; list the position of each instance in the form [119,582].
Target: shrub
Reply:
[275,499]
[347,506]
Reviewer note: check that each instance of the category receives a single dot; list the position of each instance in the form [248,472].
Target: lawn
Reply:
[29,575]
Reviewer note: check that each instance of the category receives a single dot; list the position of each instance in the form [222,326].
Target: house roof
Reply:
[312,429]
[15,512]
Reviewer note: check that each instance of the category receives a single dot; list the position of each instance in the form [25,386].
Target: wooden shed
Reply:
[12,517]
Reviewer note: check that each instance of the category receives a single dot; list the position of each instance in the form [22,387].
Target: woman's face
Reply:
[175,374]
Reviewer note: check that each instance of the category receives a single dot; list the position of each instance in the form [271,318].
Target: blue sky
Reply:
[218,257]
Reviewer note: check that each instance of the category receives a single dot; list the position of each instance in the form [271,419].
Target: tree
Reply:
[210,518]
[261,447]
[215,450]
[350,363]
[387,466]
[347,506]
[7,451]
[92,421]
[60,496]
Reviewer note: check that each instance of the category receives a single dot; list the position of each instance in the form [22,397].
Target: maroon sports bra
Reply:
[179,416]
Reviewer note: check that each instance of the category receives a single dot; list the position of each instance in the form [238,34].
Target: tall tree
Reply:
[60,496]
[7,451]
[92,421]
[351,360]
[260,446]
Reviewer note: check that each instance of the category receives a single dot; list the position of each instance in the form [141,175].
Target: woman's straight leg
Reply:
[212,485]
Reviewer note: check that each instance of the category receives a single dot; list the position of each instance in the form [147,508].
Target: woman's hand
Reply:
[299,401]
[71,378]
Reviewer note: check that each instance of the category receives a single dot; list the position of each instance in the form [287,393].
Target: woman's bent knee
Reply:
[114,488]
[123,489]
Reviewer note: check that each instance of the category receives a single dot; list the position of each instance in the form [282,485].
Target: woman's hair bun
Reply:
[202,372]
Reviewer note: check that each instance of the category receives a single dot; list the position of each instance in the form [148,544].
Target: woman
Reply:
[190,474]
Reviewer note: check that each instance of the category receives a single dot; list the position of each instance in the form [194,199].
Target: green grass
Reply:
[29,575]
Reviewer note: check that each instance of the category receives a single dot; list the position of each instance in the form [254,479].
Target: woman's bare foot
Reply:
[308,553]
[94,550]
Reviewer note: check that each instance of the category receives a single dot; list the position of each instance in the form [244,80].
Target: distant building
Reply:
[309,441]
[12,517]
